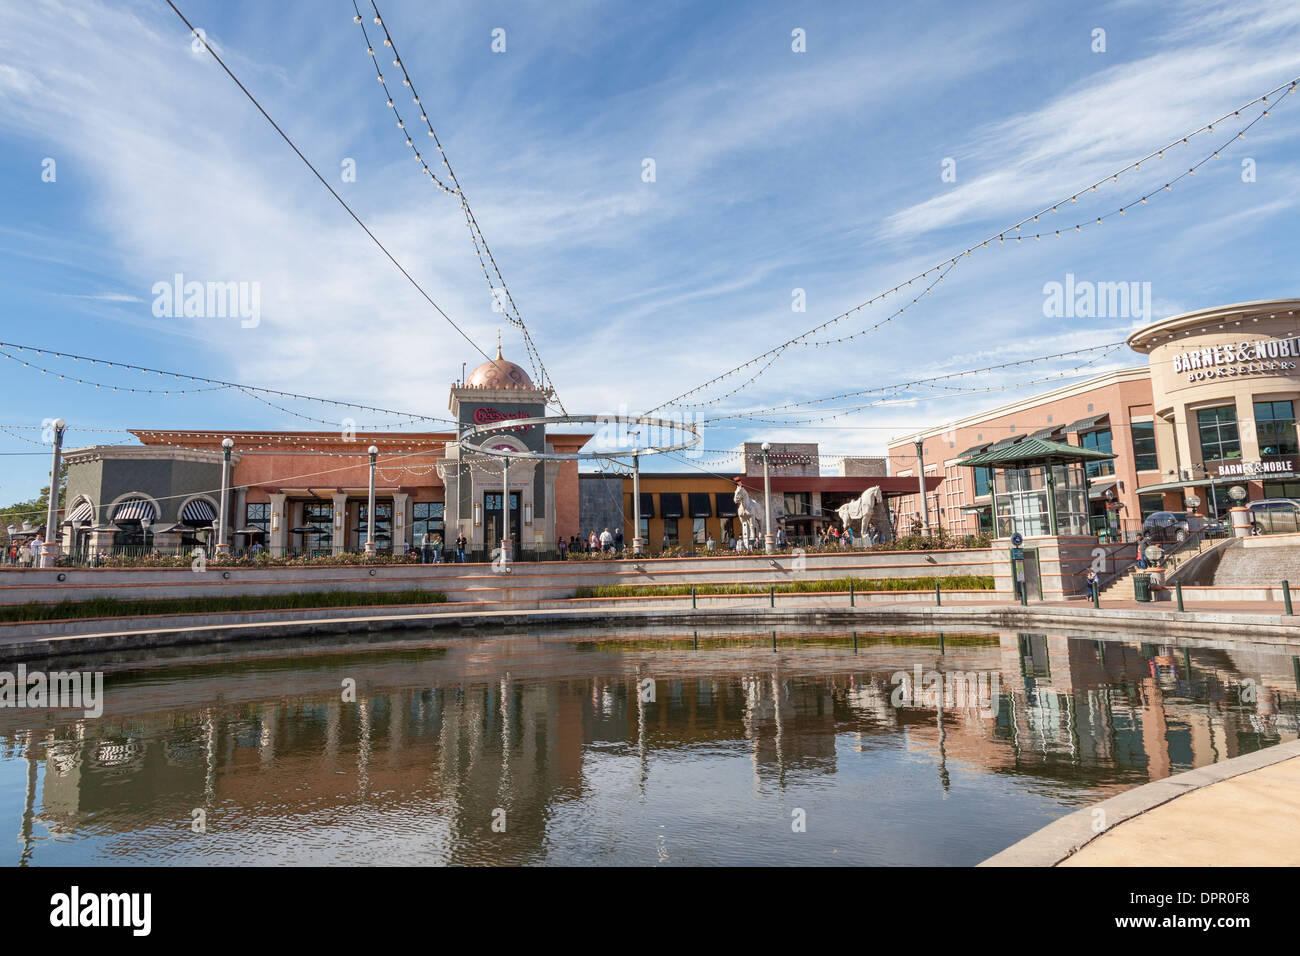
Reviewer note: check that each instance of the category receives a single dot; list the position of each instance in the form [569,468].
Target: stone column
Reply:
[340,500]
[279,524]
[401,522]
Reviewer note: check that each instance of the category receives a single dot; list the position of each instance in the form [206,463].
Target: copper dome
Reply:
[499,373]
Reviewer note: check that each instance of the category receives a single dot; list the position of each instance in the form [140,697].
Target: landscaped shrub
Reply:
[113,607]
[956,582]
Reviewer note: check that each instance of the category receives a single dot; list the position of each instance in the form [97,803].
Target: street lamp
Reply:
[769,539]
[920,484]
[223,547]
[51,549]
[638,542]
[373,452]
[145,524]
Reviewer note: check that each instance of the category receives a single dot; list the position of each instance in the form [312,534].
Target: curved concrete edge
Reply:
[136,634]
[1062,838]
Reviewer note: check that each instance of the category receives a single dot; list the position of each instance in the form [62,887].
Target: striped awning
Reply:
[134,510]
[198,512]
[82,514]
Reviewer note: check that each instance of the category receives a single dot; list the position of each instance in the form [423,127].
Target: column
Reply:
[340,500]
[401,522]
[279,531]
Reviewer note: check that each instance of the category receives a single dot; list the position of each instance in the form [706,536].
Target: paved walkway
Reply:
[1239,812]
[1249,820]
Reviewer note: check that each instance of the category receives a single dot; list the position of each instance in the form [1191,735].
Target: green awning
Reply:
[1032,450]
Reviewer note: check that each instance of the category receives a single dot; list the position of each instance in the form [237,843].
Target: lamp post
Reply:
[769,539]
[638,542]
[920,484]
[372,451]
[505,509]
[223,546]
[51,549]
[145,524]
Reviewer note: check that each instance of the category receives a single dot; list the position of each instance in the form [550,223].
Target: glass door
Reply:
[492,520]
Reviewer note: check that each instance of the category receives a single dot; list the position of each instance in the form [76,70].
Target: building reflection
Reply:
[487,732]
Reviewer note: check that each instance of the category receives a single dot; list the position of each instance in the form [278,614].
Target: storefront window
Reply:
[697,530]
[644,535]
[427,516]
[1150,504]
[1098,441]
[1282,489]
[383,526]
[1218,431]
[1275,425]
[670,533]
[798,502]
[983,481]
[1144,447]
[320,518]
[258,515]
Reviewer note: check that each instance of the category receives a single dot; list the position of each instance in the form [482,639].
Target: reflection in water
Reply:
[566,748]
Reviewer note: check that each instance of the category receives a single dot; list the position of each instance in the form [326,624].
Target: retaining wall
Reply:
[526,581]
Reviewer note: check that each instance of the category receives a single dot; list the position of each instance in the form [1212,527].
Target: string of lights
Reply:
[274,480]
[217,384]
[283,135]
[1017,232]
[1107,348]
[504,302]
[894,392]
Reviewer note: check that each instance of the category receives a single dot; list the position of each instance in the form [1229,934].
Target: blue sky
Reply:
[775,171]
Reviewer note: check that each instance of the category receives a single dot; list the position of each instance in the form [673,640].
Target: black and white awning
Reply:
[198,512]
[84,513]
[134,510]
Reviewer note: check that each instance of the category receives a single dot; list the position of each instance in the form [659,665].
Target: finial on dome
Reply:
[498,345]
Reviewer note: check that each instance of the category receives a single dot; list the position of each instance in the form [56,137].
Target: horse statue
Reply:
[750,515]
[868,508]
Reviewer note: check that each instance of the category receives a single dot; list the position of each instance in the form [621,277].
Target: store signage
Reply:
[1243,358]
[1274,468]
[489,416]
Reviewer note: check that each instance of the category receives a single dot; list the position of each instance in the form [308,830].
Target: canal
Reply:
[645,748]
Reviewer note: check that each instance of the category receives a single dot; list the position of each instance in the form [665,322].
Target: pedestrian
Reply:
[1142,553]
[618,541]
[561,546]
[593,543]
[37,545]
[847,538]
[1093,580]
[664,546]
[426,546]
[437,548]
[460,547]
[606,542]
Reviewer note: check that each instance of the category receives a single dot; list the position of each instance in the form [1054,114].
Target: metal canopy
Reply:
[1034,450]
[1083,424]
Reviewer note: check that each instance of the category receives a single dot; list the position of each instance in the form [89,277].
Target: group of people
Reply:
[24,554]
[607,542]
[431,549]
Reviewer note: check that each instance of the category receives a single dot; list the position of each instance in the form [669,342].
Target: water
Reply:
[645,748]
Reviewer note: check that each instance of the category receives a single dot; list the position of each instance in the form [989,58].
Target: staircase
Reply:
[1256,566]
[1122,584]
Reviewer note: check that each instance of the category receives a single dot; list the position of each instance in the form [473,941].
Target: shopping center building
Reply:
[307,491]
[1213,408]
